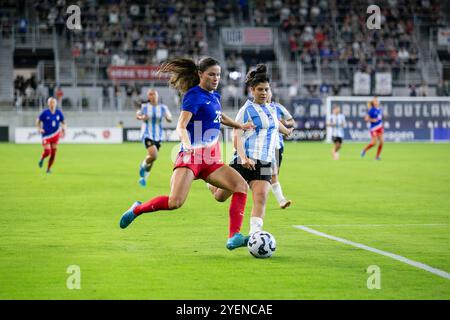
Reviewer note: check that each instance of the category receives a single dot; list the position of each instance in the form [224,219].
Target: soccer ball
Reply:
[261,244]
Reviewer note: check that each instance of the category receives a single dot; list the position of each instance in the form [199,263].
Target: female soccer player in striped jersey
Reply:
[337,123]
[151,114]
[375,118]
[288,121]
[199,158]
[255,149]
[51,125]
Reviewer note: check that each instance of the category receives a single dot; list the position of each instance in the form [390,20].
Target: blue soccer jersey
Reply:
[204,126]
[51,122]
[376,113]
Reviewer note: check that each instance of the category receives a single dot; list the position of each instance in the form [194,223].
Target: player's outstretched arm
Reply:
[168,115]
[139,116]
[285,131]
[183,120]
[288,123]
[227,121]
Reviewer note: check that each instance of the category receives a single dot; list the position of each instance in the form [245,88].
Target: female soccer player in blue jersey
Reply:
[255,149]
[151,114]
[51,125]
[288,121]
[375,118]
[199,158]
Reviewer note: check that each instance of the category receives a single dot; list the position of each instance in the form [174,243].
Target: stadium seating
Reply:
[317,42]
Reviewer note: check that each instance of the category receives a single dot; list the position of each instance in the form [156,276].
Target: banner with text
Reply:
[383,83]
[73,135]
[361,83]
[404,118]
[134,135]
[309,116]
[247,36]
[136,73]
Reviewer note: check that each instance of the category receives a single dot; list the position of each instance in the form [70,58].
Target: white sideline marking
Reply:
[413,263]
[380,225]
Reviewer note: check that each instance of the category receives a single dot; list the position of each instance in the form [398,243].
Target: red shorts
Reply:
[377,132]
[202,162]
[53,140]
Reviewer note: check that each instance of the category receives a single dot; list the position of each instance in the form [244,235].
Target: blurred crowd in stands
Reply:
[318,33]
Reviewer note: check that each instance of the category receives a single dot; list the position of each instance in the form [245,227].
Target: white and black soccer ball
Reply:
[261,244]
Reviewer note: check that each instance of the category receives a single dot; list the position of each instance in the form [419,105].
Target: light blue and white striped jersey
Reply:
[259,143]
[338,120]
[282,114]
[152,128]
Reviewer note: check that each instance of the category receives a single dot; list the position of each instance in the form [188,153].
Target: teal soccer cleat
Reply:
[41,163]
[142,182]
[141,171]
[236,241]
[128,216]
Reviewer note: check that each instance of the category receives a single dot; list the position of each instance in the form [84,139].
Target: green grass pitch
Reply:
[50,222]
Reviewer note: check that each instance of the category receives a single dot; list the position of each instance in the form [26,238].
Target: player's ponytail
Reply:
[185,72]
[257,75]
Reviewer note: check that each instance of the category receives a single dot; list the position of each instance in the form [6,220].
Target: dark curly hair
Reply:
[257,76]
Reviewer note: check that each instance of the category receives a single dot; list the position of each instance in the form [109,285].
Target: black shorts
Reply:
[149,142]
[336,139]
[263,170]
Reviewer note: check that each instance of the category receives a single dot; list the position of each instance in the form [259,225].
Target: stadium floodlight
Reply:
[234,75]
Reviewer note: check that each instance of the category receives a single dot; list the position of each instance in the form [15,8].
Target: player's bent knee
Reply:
[175,203]
[220,198]
[241,187]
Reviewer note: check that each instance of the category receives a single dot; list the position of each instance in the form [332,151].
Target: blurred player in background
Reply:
[375,118]
[337,123]
[152,115]
[288,121]
[199,158]
[51,125]
[255,149]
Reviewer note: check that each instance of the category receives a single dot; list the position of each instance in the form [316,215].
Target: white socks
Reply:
[256,224]
[147,169]
[276,189]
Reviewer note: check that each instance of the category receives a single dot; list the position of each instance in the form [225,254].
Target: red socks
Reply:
[380,147]
[45,154]
[236,211]
[237,208]
[155,204]
[370,145]
[52,158]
